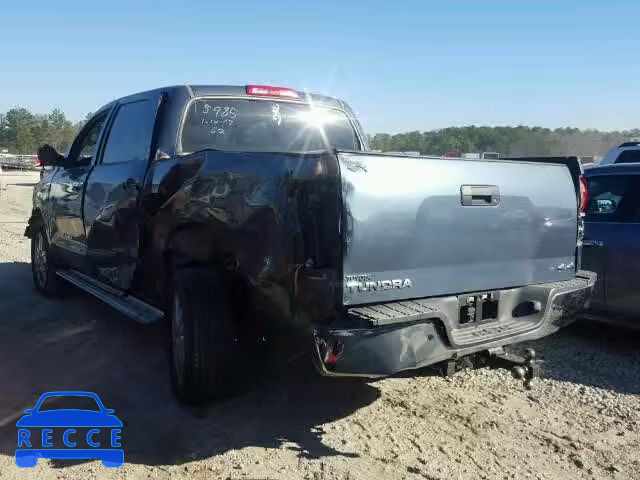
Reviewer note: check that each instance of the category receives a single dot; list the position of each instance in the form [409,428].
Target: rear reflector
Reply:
[333,353]
[265,91]
[584,194]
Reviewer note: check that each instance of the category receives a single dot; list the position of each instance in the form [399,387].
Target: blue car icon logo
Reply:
[84,432]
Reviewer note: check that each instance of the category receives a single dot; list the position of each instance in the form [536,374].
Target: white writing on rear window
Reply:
[218,118]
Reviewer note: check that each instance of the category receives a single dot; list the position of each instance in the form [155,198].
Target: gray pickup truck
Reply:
[246,216]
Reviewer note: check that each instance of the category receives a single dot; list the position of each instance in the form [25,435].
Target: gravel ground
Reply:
[581,421]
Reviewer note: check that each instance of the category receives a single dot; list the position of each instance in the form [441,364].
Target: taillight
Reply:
[38,162]
[265,91]
[584,194]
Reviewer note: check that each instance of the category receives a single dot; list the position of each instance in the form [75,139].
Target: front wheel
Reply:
[203,347]
[42,269]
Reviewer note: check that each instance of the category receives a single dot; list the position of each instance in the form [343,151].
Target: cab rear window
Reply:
[629,156]
[264,126]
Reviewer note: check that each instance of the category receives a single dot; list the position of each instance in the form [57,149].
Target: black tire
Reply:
[43,269]
[203,346]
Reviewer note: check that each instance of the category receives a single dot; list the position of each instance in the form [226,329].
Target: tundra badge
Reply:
[366,283]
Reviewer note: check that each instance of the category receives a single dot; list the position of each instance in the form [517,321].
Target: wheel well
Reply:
[190,245]
[193,246]
[36,214]
[35,221]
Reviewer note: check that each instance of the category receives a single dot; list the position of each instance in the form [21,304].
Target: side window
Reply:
[85,145]
[614,198]
[130,135]
[629,156]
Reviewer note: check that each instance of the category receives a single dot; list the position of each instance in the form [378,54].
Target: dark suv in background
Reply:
[627,152]
[612,241]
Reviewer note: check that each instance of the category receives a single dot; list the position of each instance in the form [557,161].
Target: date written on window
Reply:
[218,118]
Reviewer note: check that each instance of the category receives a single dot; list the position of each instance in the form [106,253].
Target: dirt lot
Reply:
[582,421]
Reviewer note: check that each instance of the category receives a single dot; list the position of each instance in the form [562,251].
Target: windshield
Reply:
[66,402]
[264,126]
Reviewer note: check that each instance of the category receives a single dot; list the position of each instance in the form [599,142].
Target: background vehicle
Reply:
[612,242]
[481,156]
[250,213]
[627,152]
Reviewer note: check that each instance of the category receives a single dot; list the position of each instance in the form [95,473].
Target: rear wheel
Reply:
[42,268]
[203,347]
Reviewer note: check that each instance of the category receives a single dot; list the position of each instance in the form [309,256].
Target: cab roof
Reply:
[615,168]
[237,91]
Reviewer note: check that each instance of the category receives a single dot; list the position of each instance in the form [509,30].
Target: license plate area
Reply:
[477,308]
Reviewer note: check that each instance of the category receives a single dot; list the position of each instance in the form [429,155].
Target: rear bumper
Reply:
[412,334]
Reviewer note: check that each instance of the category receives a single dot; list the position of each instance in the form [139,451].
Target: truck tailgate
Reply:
[417,227]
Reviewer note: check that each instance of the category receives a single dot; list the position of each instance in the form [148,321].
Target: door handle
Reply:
[479,195]
[592,243]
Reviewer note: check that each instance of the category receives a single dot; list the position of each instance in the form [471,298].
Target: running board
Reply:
[126,304]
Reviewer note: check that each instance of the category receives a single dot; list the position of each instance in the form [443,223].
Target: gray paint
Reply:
[387,349]
[404,218]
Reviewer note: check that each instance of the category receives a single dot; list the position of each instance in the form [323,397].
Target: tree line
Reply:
[22,131]
[509,141]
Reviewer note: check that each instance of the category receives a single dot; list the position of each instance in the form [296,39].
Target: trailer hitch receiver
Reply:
[525,368]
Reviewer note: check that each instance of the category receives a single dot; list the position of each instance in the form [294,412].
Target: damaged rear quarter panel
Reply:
[270,218]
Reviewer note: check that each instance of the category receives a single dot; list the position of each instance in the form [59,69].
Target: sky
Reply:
[402,65]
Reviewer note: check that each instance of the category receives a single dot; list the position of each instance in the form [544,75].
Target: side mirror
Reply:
[29,410]
[48,156]
[160,155]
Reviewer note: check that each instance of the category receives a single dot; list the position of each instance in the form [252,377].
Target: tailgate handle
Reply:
[479,195]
